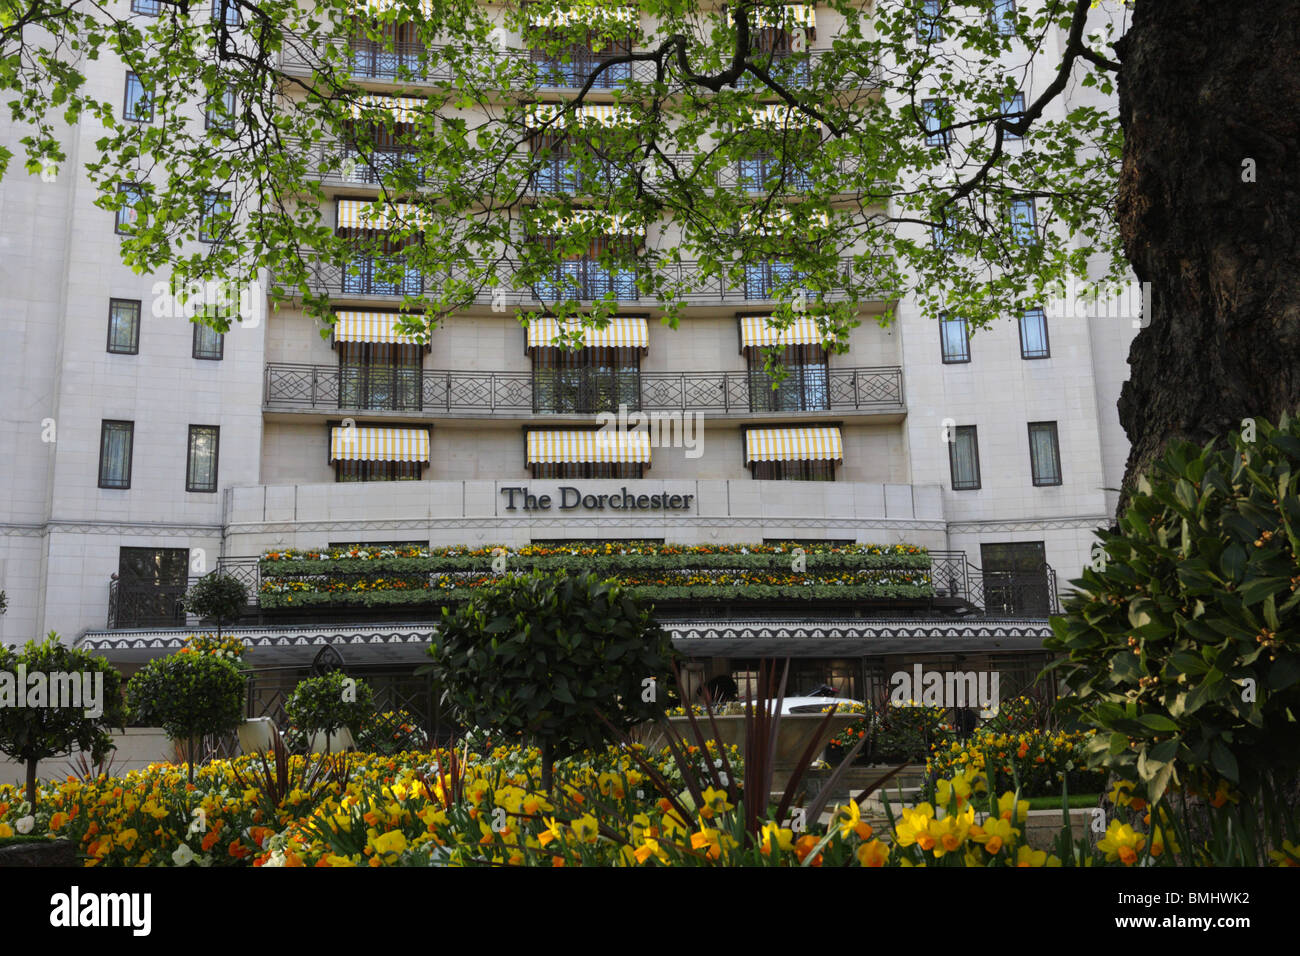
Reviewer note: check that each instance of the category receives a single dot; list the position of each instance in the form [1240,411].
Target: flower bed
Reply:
[653,572]
[1041,761]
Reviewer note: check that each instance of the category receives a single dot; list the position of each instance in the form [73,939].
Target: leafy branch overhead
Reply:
[875,165]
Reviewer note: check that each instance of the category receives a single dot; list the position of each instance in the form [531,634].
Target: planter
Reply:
[42,852]
[339,741]
[257,735]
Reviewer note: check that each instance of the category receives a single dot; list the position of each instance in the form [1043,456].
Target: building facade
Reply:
[141,451]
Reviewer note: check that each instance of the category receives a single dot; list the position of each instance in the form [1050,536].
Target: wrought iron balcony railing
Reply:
[416,63]
[583,280]
[327,387]
[133,604]
[1027,593]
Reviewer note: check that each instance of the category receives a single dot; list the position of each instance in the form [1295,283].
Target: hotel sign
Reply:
[571,498]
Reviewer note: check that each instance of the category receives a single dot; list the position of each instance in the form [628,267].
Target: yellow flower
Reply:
[1028,856]
[994,834]
[774,832]
[1008,805]
[1121,842]
[915,826]
[1289,855]
[715,801]
[586,828]
[707,840]
[849,819]
[394,841]
[874,853]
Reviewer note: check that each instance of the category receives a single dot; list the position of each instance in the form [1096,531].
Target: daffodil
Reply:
[775,833]
[1011,809]
[994,833]
[873,853]
[849,819]
[1122,843]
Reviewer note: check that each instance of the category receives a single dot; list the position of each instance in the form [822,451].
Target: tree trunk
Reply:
[192,748]
[31,783]
[548,781]
[1205,87]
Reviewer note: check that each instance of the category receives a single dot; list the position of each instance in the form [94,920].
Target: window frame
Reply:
[586,470]
[1025,354]
[397,372]
[127,113]
[190,483]
[811,469]
[947,319]
[113,303]
[1030,224]
[366,470]
[973,431]
[928,27]
[221,344]
[208,121]
[1009,105]
[143,8]
[1003,20]
[122,226]
[1034,463]
[939,136]
[808,378]
[215,203]
[104,429]
[230,8]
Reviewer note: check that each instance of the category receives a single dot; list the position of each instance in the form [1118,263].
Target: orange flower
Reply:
[210,840]
[804,845]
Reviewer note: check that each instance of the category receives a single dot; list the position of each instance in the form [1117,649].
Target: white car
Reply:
[815,705]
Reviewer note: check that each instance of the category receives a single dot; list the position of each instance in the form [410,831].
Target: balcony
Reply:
[952,585]
[414,63]
[580,280]
[460,392]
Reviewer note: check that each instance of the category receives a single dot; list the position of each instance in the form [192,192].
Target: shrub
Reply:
[31,733]
[1038,762]
[329,703]
[189,696]
[217,597]
[392,732]
[549,656]
[1175,642]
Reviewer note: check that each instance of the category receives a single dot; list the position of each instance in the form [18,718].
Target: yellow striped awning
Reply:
[371,327]
[622,332]
[793,444]
[351,443]
[383,6]
[560,15]
[404,109]
[603,446]
[780,115]
[605,114]
[778,220]
[791,15]
[611,224]
[367,214]
[757,332]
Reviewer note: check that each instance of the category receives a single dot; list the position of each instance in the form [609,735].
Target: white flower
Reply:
[182,855]
[25,824]
[724,779]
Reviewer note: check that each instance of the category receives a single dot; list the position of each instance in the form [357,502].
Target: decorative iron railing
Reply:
[415,63]
[580,280]
[449,391]
[1028,593]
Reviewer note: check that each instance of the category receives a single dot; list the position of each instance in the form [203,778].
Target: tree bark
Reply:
[1206,86]
[31,783]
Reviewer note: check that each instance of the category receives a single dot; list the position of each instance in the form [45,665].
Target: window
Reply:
[150,587]
[396,53]
[233,17]
[1033,335]
[377,470]
[928,27]
[214,216]
[201,465]
[209,344]
[964,458]
[1016,578]
[127,214]
[586,277]
[148,8]
[1024,222]
[220,111]
[586,380]
[942,232]
[1044,454]
[115,440]
[124,326]
[1012,105]
[587,469]
[571,65]
[954,339]
[764,172]
[822,470]
[138,106]
[806,384]
[764,279]
[380,375]
[1004,17]
[932,112]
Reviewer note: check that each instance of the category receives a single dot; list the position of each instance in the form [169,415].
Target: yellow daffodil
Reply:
[994,834]
[775,833]
[873,853]
[849,819]
[1009,808]
[1122,843]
